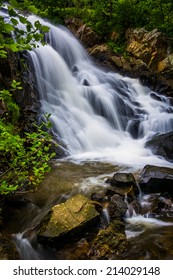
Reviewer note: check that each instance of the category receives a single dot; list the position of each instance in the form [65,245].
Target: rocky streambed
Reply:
[93,211]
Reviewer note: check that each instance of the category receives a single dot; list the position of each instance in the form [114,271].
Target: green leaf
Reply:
[13,47]
[14,21]
[45,29]
[11,12]
[23,20]
[8,27]
[3,54]
[37,24]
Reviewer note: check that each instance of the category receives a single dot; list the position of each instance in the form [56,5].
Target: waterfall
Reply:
[99,115]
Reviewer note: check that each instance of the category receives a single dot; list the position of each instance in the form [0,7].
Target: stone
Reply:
[149,46]
[109,243]
[8,250]
[87,36]
[124,180]
[166,64]
[116,207]
[3,108]
[155,179]
[121,63]
[100,52]
[162,145]
[73,24]
[72,215]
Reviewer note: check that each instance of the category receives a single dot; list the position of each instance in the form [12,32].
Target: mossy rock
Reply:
[8,250]
[109,243]
[64,218]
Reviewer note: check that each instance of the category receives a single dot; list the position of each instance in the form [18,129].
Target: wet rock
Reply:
[116,207]
[162,145]
[124,180]
[109,243]
[98,197]
[66,218]
[155,179]
[101,53]
[8,250]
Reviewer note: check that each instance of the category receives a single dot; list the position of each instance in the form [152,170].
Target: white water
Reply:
[94,111]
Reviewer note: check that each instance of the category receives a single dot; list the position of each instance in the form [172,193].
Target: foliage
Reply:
[112,15]
[18,34]
[23,160]
[12,112]
[24,157]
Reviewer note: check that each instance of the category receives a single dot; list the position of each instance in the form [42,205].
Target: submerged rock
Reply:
[155,179]
[71,216]
[109,243]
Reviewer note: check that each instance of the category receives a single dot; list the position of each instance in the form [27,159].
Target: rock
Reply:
[121,63]
[8,250]
[101,53]
[151,47]
[109,243]
[154,204]
[73,24]
[162,145]
[155,179]
[124,180]
[166,64]
[68,217]
[3,108]
[87,36]
[116,207]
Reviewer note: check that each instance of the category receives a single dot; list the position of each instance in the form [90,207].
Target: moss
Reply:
[64,217]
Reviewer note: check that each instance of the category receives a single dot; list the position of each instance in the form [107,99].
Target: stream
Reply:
[149,237]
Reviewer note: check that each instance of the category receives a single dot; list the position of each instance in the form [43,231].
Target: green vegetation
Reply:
[24,159]
[24,156]
[108,15]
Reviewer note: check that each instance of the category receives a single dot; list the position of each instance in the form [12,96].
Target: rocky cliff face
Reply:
[148,58]
[16,67]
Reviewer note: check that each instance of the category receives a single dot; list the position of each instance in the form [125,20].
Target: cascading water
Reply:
[99,116]
[94,111]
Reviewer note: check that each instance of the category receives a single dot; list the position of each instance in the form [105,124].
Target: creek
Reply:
[103,120]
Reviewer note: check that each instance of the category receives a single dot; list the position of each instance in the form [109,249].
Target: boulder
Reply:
[151,47]
[117,207]
[87,36]
[155,179]
[73,24]
[162,145]
[166,64]
[109,243]
[69,217]
[101,53]
[124,180]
